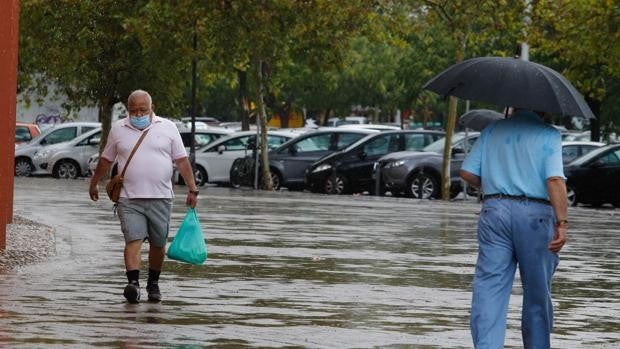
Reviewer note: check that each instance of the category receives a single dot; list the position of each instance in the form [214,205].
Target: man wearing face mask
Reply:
[146,197]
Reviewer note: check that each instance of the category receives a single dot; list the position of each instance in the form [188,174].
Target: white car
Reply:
[203,137]
[24,153]
[68,159]
[213,163]
[377,127]
[571,150]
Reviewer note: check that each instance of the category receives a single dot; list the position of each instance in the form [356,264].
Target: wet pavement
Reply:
[292,270]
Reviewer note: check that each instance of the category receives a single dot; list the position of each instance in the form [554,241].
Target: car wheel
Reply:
[235,177]
[423,186]
[200,176]
[276,180]
[66,169]
[23,167]
[336,184]
[572,196]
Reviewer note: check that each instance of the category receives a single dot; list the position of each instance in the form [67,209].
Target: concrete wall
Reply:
[50,110]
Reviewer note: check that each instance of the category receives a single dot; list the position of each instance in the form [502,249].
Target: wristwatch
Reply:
[561,222]
[195,192]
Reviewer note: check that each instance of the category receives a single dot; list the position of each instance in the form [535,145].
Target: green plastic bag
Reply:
[189,243]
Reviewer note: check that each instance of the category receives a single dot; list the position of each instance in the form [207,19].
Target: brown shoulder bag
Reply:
[114,186]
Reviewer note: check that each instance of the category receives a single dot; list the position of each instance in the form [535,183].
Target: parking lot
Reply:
[292,269]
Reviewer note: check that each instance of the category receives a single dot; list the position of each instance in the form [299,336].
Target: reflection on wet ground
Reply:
[292,270]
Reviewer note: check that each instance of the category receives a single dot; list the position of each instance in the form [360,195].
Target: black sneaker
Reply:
[132,293]
[153,289]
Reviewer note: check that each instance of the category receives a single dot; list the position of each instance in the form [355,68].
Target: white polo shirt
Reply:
[150,171]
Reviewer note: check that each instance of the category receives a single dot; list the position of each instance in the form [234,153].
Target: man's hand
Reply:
[191,200]
[93,191]
[559,239]
[102,167]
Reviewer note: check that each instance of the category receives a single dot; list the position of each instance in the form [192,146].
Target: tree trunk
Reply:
[262,114]
[324,117]
[595,124]
[106,106]
[447,149]
[244,105]
[285,113]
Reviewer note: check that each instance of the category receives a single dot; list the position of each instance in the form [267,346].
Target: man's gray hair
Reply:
[140,93]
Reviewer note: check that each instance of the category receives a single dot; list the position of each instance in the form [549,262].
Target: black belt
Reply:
[515,197]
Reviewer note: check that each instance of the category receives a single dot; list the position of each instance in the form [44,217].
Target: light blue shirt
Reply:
[515,156]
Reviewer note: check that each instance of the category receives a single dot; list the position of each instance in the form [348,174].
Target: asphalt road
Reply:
[292,270]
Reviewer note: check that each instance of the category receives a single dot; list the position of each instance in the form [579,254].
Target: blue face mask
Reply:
[140,122]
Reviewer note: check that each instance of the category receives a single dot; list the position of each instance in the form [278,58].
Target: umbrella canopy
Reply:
[511,82]
[478,119]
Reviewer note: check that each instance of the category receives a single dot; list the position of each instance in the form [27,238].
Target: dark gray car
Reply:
[350,170]
[418,173]
[288,162]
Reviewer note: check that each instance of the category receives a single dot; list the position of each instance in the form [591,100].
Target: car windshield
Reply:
[363,140]
[43,133]
[594,153]
[437,146]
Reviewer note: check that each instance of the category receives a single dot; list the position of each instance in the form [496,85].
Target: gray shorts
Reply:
[143,219]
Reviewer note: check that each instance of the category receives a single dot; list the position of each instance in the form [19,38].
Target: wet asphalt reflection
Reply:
[291,270]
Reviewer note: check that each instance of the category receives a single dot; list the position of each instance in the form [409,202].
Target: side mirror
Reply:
[362,154]
[221,149]
[95,141]
[43,141]
[457,151]
[292,150]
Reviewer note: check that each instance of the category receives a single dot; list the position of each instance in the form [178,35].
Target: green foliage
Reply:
[580,38]
[320,54]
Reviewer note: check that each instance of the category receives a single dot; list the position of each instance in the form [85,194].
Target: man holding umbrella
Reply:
[518,163]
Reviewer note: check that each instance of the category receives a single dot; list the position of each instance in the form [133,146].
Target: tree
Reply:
[261,36]
[92,52]
[580,39]
[467,29]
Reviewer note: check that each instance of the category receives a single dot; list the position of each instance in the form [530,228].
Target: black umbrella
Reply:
[478,119]
[511,82]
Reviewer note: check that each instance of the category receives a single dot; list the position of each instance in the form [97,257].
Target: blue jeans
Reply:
[513,232]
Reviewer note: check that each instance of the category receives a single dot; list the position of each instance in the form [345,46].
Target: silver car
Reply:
[418,173]
[24,153]
[68,159]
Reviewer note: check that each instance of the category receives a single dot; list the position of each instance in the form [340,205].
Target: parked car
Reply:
[203,136]
[25,132]
[288,162]
[211,121]
[68,160]
[571,150]
[213,163]
[333,122]
[350,170]
[24,153]
[594,178]
[378,127]
[417,174]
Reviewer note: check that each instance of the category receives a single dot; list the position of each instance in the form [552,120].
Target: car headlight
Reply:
[395,164]
[321,168]
[42,154]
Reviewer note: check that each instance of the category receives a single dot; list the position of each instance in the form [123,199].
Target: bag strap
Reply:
[133,151]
